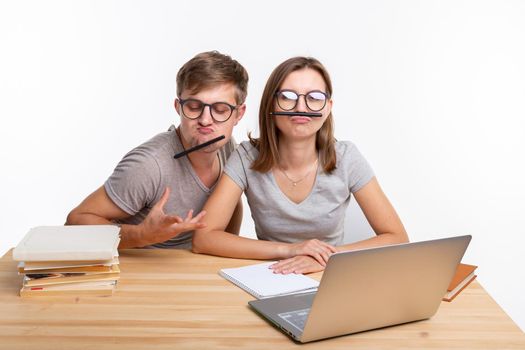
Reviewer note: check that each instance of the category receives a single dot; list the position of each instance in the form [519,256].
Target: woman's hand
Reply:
[297,264]
[315,248]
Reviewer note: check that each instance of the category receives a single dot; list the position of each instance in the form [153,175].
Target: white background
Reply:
[432,92]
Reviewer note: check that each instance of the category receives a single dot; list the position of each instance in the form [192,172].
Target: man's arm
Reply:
[99,209]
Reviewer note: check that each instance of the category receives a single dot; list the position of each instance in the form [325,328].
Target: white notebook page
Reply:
[261,282]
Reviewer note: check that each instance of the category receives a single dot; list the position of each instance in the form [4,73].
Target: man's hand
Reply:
[315,248]
[159,226]
[297,264]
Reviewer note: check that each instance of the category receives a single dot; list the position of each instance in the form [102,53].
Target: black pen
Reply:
[299,114]
[198,147]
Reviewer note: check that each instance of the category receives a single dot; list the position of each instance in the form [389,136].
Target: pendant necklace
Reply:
[295,182]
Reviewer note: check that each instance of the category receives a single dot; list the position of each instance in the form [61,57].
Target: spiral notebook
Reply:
[260,281]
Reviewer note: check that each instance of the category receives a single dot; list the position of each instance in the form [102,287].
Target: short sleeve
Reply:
[237,166]
[134,182]
[357,168]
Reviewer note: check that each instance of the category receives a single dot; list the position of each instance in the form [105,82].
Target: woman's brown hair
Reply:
[268,141]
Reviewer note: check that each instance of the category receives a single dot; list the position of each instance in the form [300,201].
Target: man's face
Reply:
[204,128]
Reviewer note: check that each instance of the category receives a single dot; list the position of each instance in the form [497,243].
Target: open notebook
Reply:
[261,282]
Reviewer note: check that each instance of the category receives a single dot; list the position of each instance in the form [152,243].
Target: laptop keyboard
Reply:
[296,318]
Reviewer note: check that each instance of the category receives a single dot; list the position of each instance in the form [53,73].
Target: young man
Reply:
[150,191]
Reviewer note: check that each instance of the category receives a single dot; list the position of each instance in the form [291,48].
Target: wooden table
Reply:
[172,299]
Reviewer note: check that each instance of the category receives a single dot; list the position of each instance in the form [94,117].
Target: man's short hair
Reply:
[209,69]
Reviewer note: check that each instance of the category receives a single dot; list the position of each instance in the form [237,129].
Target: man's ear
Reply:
[176,104]
[240,113]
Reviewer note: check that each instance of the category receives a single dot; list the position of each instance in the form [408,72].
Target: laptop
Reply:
[368,289]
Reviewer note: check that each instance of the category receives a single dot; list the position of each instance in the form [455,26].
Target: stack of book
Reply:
[69,260]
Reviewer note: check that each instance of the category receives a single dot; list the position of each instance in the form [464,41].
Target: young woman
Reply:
[298,180]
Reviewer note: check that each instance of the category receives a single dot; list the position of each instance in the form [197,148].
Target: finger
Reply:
[316,253]
[323,251]
[198,217]
[318,258]
[294,266]
[299,268]
[282,270]
[325,256]
[306,264]
[277,266]
[326,251]
[189,226]
[281,265]
[328,247]
[189,215]
[162,201]
[172,219]
[308,267]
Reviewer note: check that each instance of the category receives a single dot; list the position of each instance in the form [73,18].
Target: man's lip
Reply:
[205,131]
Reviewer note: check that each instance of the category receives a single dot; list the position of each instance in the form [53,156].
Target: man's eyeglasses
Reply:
[193,108]
[287,99]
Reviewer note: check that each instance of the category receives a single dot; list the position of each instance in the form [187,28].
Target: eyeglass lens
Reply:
[220,111]
[287,100]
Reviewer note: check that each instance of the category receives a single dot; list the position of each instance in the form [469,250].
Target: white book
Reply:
[98,288]
[69,243]
[260,281]
[47,265]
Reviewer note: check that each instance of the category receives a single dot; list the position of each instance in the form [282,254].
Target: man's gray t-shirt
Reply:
[320,215]
[139,180]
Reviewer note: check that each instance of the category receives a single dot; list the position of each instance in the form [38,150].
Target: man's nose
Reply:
[206,118]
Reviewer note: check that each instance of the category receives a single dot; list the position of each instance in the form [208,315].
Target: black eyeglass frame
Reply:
[327,97]
[204,105]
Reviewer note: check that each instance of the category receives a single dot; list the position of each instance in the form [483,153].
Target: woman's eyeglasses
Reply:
[288,99]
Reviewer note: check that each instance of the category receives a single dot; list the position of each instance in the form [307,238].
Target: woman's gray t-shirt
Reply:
[320,215]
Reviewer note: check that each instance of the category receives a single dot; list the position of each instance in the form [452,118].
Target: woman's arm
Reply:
[234,226]
[216,241]
[381,216]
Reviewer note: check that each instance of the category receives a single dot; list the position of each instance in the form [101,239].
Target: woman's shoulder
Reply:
[247,150]
[348,154]
[344,148]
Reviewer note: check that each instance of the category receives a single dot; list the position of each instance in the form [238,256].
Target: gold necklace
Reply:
[295,182]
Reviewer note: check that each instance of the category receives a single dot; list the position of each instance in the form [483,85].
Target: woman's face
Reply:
[302,82]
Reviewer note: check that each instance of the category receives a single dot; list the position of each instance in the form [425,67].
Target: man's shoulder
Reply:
[161,146]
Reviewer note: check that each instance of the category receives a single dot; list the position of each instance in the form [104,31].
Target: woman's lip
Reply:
[301,120]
